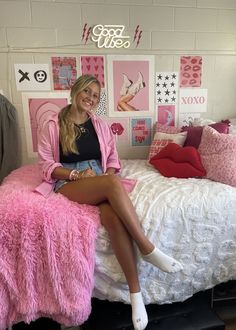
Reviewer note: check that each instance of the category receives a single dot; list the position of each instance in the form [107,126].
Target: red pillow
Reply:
[195,133]
[179,162]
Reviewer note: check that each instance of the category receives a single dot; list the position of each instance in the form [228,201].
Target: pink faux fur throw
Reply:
[47,253]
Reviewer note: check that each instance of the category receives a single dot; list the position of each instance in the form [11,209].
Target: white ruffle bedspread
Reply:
[193,220]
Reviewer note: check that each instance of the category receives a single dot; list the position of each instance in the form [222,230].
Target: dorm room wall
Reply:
[32,31]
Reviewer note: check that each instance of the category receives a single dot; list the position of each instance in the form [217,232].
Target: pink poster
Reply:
[141,131]
[64,72]
[190,71]
[38,110]
[127,72]
[130,82]
[166,115]
[37,107]
[94,65]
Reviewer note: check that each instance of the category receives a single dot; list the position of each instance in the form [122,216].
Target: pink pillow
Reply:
[218,156]
[161,140]
[179,162]
[195,133]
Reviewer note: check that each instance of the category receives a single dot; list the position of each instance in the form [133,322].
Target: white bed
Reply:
[193,220]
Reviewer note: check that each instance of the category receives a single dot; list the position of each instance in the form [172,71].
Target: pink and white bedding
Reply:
[48,251]
[193,220]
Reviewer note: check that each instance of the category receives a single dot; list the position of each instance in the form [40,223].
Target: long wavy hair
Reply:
[68,131]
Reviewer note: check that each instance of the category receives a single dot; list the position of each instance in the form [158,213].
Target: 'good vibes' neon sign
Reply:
[110,36]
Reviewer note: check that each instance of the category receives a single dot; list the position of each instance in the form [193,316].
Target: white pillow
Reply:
[202,122]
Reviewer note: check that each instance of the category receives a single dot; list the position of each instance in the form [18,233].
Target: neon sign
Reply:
[110,36]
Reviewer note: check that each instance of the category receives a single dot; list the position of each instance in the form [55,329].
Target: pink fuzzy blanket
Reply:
[47,253]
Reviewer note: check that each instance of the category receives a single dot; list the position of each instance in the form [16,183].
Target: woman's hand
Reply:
[86,173]
[109,171]
[76,175]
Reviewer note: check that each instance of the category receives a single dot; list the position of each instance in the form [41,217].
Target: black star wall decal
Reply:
[167,86]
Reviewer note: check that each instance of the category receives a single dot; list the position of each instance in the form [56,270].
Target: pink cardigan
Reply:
[48,151]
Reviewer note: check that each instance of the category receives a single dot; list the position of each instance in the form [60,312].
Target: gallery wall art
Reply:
[37,108]
[130,84]
[64,72]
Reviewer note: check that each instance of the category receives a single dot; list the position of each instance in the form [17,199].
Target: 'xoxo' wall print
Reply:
[192,100]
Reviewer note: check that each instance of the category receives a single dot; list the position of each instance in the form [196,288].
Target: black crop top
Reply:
[87,144]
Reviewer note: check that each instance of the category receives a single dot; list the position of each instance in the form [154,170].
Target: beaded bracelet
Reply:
[74,175]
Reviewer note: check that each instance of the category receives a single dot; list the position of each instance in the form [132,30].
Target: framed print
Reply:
[37,107]
[192,100]
[141,130]
[64,72]
[167,87]
[94,65]
[190,71]
[166,115]
[32,77]
[130,85]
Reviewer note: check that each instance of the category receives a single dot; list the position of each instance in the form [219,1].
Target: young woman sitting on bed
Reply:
[78,158]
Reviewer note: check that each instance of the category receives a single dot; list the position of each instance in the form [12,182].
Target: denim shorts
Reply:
[93,164]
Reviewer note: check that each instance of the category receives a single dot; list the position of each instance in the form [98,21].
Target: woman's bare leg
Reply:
[123,103]
[98,189]
[94,190]
[122,106]
[123,247]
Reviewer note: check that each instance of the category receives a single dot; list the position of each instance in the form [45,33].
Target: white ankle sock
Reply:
[163,261]
[139,314]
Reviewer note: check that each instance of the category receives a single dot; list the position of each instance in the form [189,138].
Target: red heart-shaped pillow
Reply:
[179,162]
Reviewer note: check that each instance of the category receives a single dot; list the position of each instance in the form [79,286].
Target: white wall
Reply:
[31,31]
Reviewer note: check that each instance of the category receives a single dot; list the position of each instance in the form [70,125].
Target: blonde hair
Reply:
[68,131]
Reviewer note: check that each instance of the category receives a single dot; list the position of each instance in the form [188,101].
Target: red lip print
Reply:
[186,75]
[117,128]
[196,67]
[187,68]
[193,82]
[193,60]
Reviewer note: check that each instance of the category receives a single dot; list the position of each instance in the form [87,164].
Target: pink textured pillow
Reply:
[218,156]
[161,140]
